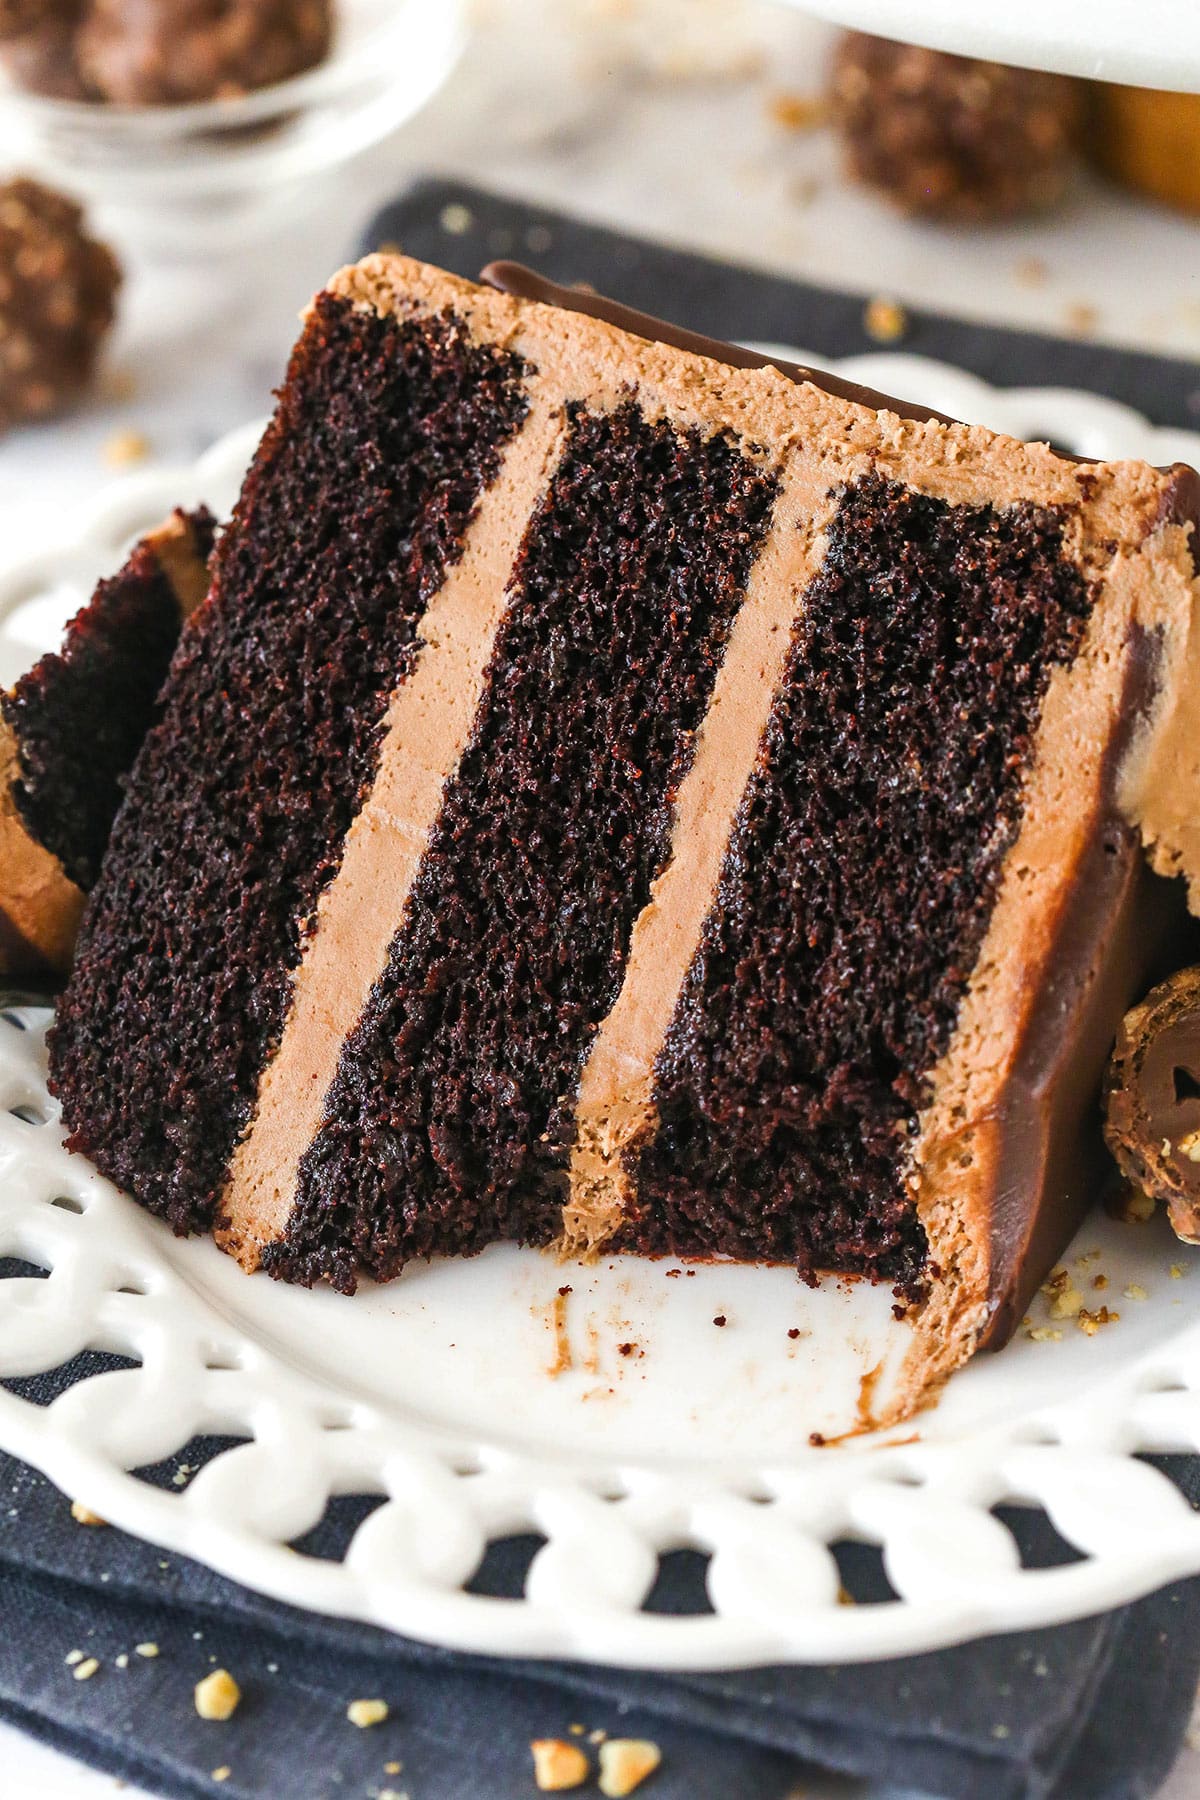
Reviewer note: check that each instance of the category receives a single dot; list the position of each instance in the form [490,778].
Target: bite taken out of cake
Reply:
[69,731]
[649,801]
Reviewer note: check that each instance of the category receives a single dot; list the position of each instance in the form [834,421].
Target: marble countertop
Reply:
[656,116]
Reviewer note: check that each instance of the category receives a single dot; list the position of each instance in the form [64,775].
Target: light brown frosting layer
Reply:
[426,729]
[615,1107]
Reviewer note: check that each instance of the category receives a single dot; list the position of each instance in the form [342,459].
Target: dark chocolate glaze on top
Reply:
[525,284]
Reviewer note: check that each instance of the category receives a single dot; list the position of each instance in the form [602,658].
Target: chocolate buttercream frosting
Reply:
[1181,506]
[526,284]
[1152,1099]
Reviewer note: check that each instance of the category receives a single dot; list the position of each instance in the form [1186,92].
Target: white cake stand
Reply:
[1148,43]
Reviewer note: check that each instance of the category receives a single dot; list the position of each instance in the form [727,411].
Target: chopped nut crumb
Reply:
[1176,1271]
[1090,1322]
[1057,1280]
[1132,1206]
[146,1649]
[124,448]
[217,1696]
[1099,1281]
[86,1669]
[1067,1303]
[558,1765]
[367,1712]
[1190,1146]
[1044,1334]
[884,321]
[625,1764]
[1135,1291]
[83,1515]
[797,112]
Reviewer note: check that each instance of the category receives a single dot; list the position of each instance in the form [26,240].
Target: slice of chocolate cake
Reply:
[69,731]
[650,801]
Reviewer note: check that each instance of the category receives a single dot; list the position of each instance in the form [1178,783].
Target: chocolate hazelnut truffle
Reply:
[58,289]
[949,137]
[1152,1099]
[161,52]
[19,16]
[38,47]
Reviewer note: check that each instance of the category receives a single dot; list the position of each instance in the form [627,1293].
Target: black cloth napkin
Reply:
[1089,1711]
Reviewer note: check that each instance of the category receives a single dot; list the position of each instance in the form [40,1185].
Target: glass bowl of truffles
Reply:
[198,120]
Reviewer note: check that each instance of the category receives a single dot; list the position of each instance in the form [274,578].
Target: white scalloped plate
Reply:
[662,1430]
[1155,43]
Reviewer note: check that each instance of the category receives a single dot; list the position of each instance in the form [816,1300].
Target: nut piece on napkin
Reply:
[949,137]
[1152,1099]
[163,52]
[58,290]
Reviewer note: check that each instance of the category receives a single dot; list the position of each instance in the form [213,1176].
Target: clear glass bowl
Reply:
[184,177]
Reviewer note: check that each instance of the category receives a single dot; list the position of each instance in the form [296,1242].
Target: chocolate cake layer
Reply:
[795,1070]
[359,498]
[741,854]
[449,1123]
[70,729]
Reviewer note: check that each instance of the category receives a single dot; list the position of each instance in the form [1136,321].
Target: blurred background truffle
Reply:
[58,289]
[163,52]
[160,52]
[949,137]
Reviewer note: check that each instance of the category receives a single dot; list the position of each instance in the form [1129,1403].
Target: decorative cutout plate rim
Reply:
[765,1524]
